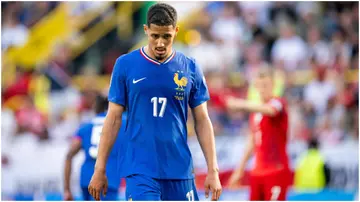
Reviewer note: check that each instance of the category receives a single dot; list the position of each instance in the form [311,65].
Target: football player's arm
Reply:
[249,148]
[109,134]
[199,94]
[205,133]
[270,109]
[238,173]
[74,149]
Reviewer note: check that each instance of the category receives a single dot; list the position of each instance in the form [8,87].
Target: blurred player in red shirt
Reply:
[268,125]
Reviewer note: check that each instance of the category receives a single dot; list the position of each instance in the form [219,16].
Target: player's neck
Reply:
[151,54]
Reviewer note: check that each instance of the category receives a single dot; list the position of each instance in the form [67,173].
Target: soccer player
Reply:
[87,138]
[268,125]
[156,84]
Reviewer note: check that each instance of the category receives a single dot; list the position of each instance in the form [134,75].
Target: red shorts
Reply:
[269,187]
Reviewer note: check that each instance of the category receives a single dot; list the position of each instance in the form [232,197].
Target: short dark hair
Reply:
[101,104]
[161,14]
[313,143]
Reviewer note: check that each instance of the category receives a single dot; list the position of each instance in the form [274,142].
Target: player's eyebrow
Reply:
[155,35]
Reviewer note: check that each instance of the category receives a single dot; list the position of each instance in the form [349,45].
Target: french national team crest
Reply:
[181,82]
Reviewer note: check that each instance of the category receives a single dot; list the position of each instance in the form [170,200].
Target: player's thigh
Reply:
[142,188]
[111,195]
[85,194]
[256,188]
[276,187]
[179,190]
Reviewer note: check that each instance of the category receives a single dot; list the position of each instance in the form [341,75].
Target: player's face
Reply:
[264,86]
[160,40]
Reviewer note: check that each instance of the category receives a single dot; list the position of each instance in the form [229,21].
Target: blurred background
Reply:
[57,55]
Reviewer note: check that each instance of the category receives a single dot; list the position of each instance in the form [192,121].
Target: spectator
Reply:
[253,60]
[336,110]
[57,70]
[208,55]
[255,13]
[28,118]
[13,33]
[318,49]
[293,58]
[341,50]
[230,34]
[312,171]
[281,10]
[327,133]
[319,91]
[308,13]
[20,87]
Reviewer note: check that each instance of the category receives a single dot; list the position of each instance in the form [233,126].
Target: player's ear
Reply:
[146,28]
[176,30]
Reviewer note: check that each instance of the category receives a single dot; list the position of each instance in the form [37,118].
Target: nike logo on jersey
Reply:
[136,81]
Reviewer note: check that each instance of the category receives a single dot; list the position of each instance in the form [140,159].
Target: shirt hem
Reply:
[117,102]
[199,103]
[158,177]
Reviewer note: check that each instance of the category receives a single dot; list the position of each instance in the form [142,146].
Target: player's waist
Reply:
[261,170]
[89,161]
[271,155]
[160,137]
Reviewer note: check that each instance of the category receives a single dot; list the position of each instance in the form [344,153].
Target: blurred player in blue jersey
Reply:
[87,138]
[156,84]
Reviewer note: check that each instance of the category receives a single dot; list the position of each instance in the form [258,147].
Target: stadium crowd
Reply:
[320,38]
[311,45]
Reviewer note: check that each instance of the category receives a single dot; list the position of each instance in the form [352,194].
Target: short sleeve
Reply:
[117,90]
[277,105]
[79,133]
[199,91]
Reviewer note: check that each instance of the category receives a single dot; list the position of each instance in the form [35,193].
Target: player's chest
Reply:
[263,122]
[171,80]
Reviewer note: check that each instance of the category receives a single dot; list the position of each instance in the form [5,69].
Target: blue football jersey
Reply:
[156,96]
[89,133]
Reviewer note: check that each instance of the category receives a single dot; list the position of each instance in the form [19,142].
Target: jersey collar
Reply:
[142,52]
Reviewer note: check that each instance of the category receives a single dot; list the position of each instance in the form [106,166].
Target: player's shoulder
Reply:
[127,60]
[128,57]
[187,60]
[85,126]
[279,102]
[278,99]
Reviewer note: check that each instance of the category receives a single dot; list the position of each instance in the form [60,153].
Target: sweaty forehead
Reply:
[161,29]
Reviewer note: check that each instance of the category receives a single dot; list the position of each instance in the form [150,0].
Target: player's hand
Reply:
[234,179]
[98,184]
[212,183]
[68,196]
